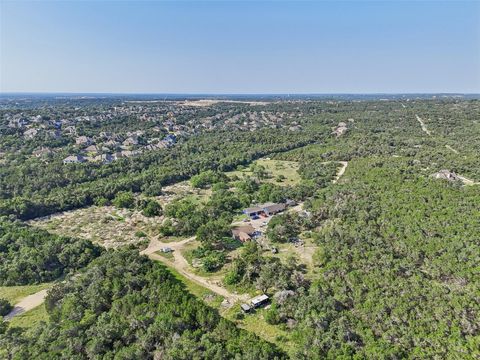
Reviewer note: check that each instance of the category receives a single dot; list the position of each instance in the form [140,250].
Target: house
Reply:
[92,149]
[259,301]
[105,158]
[253,211]
[243,233]
[267,209]
[83,141]
[42,152]
[271,209]
[72,159]
[171,138]
[130,141]
[30,133]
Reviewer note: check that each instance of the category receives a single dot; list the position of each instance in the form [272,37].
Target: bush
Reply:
[151,208]
[272,316]
[5,307]
[124,199]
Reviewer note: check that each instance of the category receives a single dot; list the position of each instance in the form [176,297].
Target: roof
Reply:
[247,229]
[245,307]
[259,299]
[274,207]
[253,209]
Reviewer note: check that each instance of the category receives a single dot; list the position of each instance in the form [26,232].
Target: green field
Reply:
[274,168]
[30,318]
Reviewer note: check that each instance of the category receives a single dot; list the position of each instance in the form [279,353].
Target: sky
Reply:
[240,47]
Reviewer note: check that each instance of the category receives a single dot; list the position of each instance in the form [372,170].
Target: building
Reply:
[83,140]
[92,149]
[271,209]
[73,159]
[267,209]
[243,233]
[259,301]
[245,308]
[104,158]
[30,133]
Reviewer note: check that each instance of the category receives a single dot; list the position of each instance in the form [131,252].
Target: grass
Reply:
[209,297]
[30,318]
[16,293]
[288,169]
[255,323]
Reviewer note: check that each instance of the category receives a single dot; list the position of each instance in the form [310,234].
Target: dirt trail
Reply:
[341,171]
[467,181]
[180,264]
[451,149]
[27,303]
[424,127]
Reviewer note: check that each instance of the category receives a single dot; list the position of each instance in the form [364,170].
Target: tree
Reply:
[151,208]
[5,307]
[124,199]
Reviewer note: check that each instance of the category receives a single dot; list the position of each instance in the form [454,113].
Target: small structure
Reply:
[245,308]
[166,250]
[259,301]
[243,233]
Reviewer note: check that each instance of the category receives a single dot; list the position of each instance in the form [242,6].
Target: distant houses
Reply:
[74,159]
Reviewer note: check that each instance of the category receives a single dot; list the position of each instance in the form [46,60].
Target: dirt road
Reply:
[27,303]
[341,171]
[180,264]
[424,127]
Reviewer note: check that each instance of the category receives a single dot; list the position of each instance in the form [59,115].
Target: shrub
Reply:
[5,307]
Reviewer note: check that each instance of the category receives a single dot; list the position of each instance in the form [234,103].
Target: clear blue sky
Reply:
[240,47]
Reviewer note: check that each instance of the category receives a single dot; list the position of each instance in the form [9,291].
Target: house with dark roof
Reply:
[267,209]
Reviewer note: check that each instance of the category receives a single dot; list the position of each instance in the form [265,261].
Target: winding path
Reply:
[180,264]
[341,171]
[424,127]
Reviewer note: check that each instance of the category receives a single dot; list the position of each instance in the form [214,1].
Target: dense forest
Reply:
[124,306]
[33,256]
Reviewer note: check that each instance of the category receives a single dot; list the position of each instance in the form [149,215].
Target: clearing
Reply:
[112,227]
[274,169]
